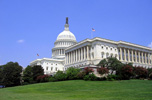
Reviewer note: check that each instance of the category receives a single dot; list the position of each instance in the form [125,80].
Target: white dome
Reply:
[66,35]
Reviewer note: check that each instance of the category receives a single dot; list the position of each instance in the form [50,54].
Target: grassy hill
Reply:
[81,90]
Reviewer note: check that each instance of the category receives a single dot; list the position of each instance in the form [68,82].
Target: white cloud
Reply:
[150,45]
[20,41]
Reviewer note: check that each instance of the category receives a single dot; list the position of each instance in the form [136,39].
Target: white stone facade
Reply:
[92,51]
[52,65]
[68,53]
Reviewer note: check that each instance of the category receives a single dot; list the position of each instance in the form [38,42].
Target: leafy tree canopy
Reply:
[11,74]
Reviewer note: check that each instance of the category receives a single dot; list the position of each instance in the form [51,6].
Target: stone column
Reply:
[68,58]
[145,59]
[87,53]
[72,56]
[136,56]
[128,55]
[125,54]
[142,58]
[132,56]
[76,55]
[139,56]
[65,59]
[151,58]
[84,53]
[148,58]
[81,55]
[120,54]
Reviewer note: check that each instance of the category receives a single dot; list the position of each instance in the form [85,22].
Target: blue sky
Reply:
[28,27]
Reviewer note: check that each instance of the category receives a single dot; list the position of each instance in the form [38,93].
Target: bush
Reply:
[52,79]
[88,70]
[126,72]
[149,73]
[102,70]
[140,72]
[72,73]
[81,75]
[90,77]
[42,78]
[60,76]
[111,77]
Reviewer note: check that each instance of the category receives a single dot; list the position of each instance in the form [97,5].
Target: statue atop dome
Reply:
[66,20]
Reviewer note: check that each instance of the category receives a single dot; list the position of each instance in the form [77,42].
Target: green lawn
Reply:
[81,90]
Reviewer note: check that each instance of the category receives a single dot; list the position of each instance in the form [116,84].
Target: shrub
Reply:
[102,70]
[126,72]
[42,78]
[37,70]
[140,72]
[90,77]
[111,77]
[81,75]
[149,73]
[52,79]
[88,70]
[72,73]
[60,76]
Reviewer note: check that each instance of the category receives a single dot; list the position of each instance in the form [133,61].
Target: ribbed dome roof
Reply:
[66,34]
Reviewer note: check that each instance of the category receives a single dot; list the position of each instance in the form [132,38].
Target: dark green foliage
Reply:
[42,78]
[90,77]
[81,75]
[28,75]
[52,79]
[11,74]
[111,63]
[102,70]
[37,70]
[60,76]
[103,63]
[140,72]
[88,70]
[112,77]
[1,74]
[149,73]
[72,73]
[126,72]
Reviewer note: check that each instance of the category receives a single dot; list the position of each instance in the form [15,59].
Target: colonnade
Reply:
[58,52]
[77,55]
[134,56]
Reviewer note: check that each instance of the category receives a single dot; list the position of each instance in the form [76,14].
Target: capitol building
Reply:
[67,52]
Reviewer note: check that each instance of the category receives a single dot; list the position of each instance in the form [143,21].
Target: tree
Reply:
[102,70]
[150,73]
[103,63]
[60,76]
[88,70]
[111,63]
[72,73]
[37,70]
[140,72]
[11,74]
[1,74]
[28,75]
[126,72]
